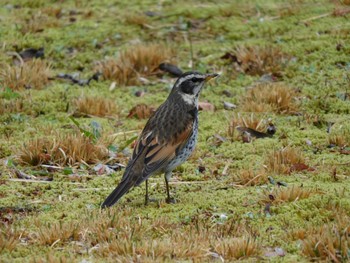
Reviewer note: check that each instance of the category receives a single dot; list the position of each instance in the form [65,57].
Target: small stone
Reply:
[280,252]
[140,93]
[227,93]
[229,106]
[308,142]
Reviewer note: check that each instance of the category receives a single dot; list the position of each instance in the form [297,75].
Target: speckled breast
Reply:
[186,151]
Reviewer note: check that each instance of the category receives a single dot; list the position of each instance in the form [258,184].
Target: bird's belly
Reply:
[184,153]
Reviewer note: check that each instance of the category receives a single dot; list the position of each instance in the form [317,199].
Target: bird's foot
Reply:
[170,200]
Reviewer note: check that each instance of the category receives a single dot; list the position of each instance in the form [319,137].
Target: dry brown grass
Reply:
[249,177]
[58,232]
[117,234]
[138,19]
[141,111]
[329,242]
[171,242]
[282,161]
[8,239]
[64,149]
[260,60]
[340,137]
[286,194]
[344,2]
[272,97]
[51,258]
[135,62]
[238,248]
[33,74]
[96,106]
[11,106]
[52,11]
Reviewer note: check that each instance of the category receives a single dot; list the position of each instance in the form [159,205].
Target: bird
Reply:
[168,138]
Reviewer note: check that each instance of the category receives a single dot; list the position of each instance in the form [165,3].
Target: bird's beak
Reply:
[210,76]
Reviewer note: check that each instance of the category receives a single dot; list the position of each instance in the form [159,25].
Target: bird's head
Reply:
[190,84]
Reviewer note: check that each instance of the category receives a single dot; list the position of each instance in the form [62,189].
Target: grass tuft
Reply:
[339,137]
[33,74]
[238,248]
[135,63]
[11,106]
[8,239]
[260,60]
[282,161]
[330,242]
[62,150]
[96,106]
[141,111]
[273,97]
[58,232]
[286,194]
[249,177]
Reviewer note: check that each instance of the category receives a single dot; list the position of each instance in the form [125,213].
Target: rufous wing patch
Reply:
[167,151]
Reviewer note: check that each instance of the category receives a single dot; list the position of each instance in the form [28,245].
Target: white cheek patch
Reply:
[189,99]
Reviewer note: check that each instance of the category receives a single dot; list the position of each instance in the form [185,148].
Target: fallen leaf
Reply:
[298,167]
[253,133]
[344,151]
[31,53]
[230,56]
[171,69]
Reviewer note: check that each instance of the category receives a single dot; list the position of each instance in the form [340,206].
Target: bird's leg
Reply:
[169,199]
[146,196]
[147,199]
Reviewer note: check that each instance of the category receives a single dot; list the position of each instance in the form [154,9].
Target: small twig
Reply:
[54,243]
[22,175]
[18,56]
[123,133]
[252,180]
[52,167]
[224,172]
[38,181]
[315,18]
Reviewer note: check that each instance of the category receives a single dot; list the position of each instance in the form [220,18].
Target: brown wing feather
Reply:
[154,153]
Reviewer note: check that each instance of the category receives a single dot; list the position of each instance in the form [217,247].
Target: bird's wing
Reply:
[154,152]
[150,155]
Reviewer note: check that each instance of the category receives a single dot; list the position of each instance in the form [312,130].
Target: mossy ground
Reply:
[60,220]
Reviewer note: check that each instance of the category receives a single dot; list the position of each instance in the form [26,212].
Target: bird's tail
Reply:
[124,186]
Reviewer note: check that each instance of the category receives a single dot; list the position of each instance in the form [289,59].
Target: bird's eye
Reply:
[196,80]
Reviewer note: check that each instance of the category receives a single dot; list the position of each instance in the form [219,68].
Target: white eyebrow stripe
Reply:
[187,78]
